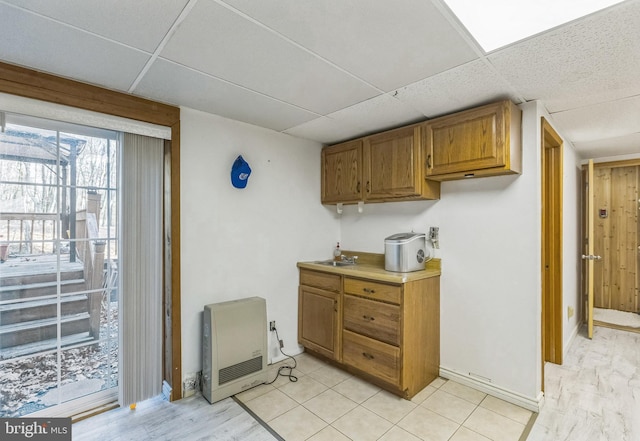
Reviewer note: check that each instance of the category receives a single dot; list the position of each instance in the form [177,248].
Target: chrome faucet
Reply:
[353,259]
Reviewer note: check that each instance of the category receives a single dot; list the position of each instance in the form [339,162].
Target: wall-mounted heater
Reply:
[234,347]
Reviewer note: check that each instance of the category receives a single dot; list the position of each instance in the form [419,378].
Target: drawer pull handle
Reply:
[367,356]
[368,317]
[369,290]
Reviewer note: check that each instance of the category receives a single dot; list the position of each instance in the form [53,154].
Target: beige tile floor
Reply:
[328,404]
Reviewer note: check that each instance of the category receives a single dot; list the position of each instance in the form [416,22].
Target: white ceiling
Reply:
[331,70]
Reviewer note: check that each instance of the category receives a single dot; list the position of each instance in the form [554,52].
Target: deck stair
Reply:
[29,308]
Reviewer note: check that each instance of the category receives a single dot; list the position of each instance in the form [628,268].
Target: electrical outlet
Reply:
[434,237]
[272,325]
[189,385]
[570,312]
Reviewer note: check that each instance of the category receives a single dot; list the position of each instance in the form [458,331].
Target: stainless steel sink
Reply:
[335,263]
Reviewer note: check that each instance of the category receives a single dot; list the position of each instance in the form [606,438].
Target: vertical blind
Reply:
[140,319]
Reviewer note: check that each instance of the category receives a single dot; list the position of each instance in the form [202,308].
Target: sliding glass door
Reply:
[59,267]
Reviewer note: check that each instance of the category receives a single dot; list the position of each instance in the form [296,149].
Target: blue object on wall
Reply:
[240,172]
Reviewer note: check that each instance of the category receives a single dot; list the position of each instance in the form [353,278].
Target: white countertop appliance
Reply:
[405,252]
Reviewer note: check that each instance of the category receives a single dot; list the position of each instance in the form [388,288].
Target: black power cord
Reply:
[281,369]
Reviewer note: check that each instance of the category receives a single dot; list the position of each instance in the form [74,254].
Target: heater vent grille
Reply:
[239,370]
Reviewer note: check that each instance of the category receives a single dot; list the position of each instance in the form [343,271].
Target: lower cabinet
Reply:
[386,333]
[372,356]
[318,313]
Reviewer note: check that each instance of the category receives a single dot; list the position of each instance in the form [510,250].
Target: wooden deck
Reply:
[34,265]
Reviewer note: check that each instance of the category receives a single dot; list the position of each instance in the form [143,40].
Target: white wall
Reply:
[490,250]
[241,243]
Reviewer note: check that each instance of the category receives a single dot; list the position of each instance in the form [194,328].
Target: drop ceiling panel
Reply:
[171,83]
[33,41]
[377,114]
[620,145]
[388,44]
[140,23]
[325,130]
[588,61]
[470,85]
[600,121]
[604,148]
[219,42]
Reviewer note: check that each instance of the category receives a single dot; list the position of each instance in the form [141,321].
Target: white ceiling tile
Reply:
[171,83]
[600,121]
[470,85]
[42,44]
[388,44]
[140,23]
[585,62]
[219,42]
[377,114]
[600,148]
[324,130]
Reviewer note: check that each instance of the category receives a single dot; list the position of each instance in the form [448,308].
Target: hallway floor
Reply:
[595,394]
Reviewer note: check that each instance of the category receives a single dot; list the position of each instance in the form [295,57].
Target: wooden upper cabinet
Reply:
[484,141]
[342,173]
[384,167]
[392,164]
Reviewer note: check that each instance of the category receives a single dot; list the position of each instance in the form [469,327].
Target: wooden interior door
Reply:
[615,214]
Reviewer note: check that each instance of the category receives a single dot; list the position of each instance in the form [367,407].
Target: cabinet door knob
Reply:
[429,160]
[368,317]
[368,187]
[369,290]
[367,356]
[358,187]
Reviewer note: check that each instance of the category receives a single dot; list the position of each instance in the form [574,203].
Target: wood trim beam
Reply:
[176,322]
[29,83]
[46,87]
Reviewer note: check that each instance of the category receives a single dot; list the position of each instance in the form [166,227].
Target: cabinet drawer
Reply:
[371,356]
[373,319]
[330,282]
[373,290]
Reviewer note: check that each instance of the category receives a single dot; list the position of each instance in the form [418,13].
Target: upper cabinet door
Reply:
[342,172]
[392,164]
[479,142]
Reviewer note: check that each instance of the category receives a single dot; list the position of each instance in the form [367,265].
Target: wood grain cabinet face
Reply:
[319,326]
[479,142]
[387,333]
[373,319]
[342,173]
[392,164]
[384,167]
[372,356]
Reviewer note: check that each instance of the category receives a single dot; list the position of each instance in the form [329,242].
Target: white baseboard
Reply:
[571,338]
[529,403]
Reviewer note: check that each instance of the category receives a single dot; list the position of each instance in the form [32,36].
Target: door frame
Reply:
[551,246]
